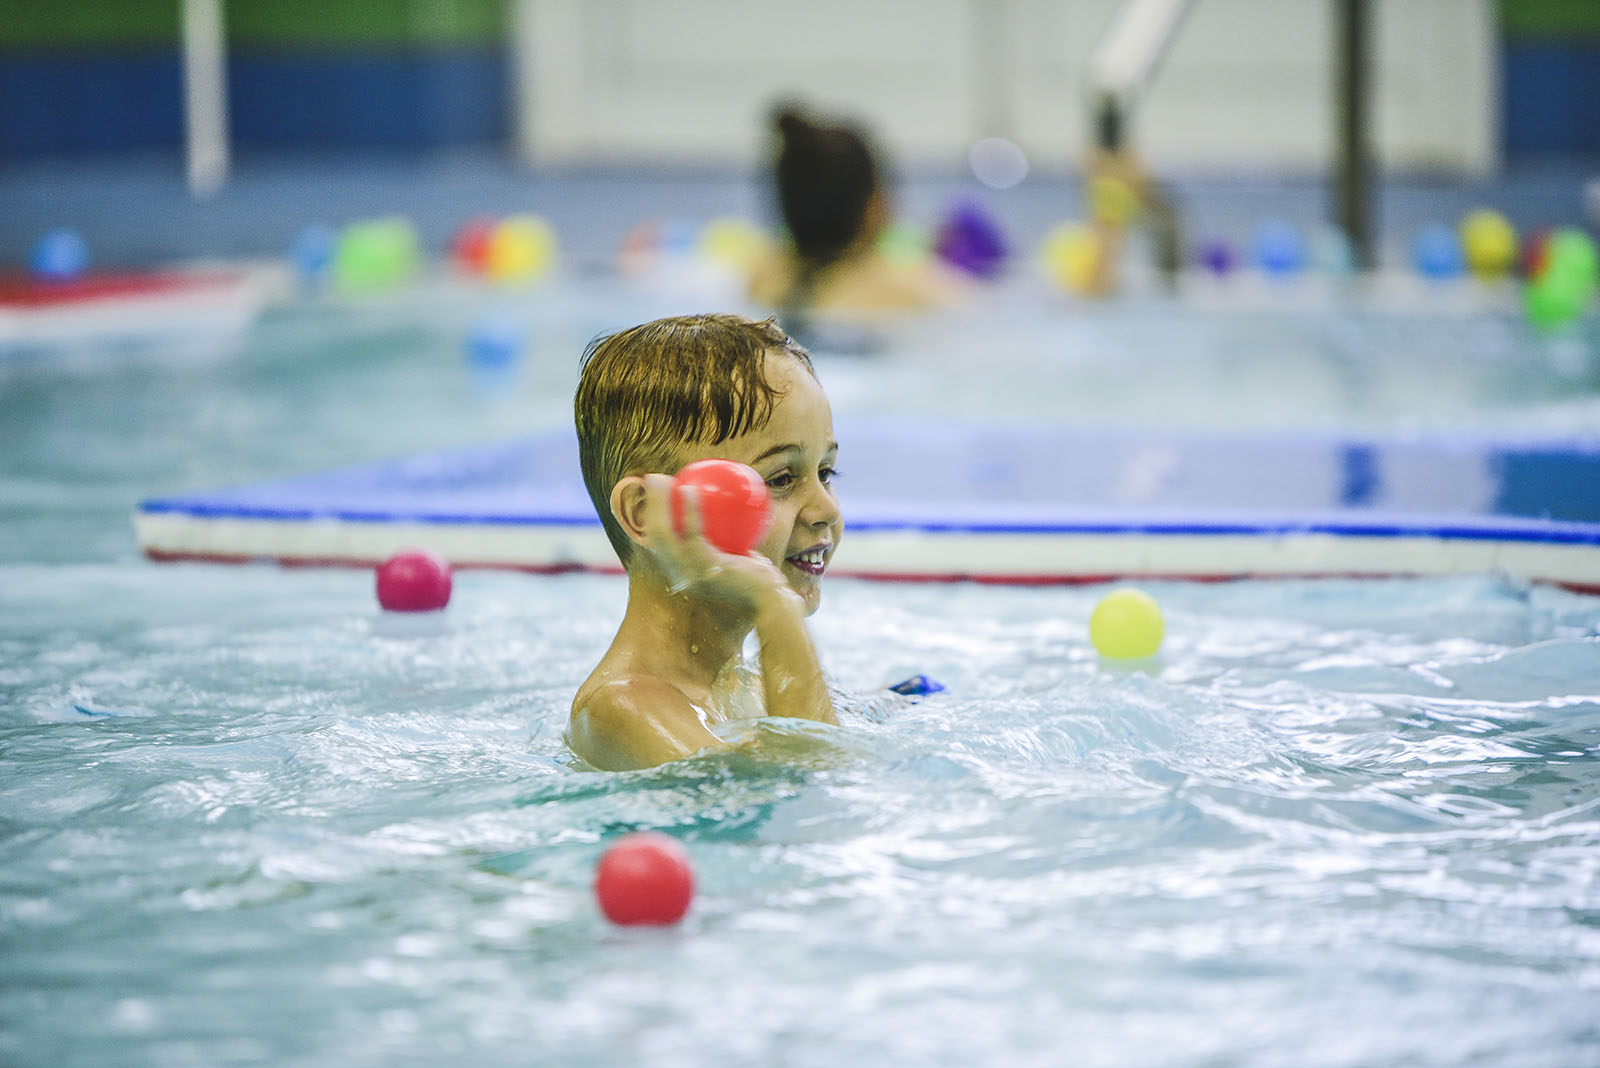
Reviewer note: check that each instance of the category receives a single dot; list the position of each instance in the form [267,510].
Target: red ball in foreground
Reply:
[414,580]
[734,508]
[644,880]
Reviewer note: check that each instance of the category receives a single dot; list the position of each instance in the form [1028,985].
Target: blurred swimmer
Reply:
[651,400]
[836,207]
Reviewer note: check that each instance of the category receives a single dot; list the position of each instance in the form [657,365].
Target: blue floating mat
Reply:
[934,500]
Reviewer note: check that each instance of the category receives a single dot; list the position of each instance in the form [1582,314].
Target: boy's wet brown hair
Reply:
[647,392]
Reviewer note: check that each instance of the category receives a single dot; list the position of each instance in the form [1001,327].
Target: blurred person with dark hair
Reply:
[833,197]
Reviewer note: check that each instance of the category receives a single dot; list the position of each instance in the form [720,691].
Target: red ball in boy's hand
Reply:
[734,509]
[644,880]
[414,580]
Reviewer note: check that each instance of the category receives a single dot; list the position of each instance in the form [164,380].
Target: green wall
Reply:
[75,24]
[1550,18]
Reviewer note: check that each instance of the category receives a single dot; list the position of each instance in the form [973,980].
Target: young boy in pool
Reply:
[650,400]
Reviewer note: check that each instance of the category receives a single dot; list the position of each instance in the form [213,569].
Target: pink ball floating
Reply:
[644,880]
[414,580]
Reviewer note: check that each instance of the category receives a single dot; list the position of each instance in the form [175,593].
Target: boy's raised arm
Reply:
[790,670]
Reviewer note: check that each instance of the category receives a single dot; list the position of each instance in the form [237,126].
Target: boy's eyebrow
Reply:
[833,446]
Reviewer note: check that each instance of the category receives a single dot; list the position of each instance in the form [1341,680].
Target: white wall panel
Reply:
[1247,83]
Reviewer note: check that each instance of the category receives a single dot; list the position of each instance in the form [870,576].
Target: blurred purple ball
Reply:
[1217,256]
[971,240]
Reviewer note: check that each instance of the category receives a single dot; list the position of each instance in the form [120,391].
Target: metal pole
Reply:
[1353,163]
[205,94]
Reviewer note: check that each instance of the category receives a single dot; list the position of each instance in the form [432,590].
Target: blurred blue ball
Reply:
[59,256]
[1436,252]
[1279,247]
[495,342]
[312,252]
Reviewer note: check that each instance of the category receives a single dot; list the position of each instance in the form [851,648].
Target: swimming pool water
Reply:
[246,819]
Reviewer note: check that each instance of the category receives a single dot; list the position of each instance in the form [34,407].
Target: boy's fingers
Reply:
[689,497]
[658,507]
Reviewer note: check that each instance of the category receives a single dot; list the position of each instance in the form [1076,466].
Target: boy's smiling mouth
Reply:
[812,561]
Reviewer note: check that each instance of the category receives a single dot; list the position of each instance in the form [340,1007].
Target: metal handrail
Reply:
[1126,59]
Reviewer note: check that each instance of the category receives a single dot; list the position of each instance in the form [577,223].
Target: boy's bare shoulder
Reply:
[620,695]
[634,721]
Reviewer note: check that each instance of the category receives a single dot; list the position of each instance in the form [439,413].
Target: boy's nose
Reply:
[822,509]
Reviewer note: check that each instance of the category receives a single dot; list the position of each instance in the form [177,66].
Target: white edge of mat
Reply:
[1056,555]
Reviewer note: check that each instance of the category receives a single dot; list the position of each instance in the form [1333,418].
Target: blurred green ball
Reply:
[376,254]
[1555,299]
[904,243]
[1572,252]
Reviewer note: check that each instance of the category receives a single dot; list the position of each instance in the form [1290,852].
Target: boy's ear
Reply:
[627,507]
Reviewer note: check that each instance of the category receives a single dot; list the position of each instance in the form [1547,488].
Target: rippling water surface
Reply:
[1340,823]
[244,819]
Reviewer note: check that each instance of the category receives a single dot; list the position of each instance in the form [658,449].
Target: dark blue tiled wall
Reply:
[80,102]
[1551,93]
[89,102]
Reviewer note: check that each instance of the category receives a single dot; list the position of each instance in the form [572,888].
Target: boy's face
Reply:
[794,454]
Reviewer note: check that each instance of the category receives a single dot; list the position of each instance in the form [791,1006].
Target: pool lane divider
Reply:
[927,500]
[40,316]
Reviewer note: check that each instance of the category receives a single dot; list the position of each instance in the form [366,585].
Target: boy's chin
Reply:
[812,598]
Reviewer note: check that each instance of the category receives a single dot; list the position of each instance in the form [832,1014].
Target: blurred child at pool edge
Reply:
[835,205]
[1121,193]
[650,400]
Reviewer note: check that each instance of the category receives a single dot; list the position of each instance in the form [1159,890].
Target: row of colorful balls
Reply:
[1562,269]
[375,254]
[369,254]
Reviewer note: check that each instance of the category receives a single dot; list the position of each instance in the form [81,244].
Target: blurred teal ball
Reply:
[1332,252]
[1436,252]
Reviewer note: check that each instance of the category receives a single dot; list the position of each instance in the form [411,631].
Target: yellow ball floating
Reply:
[735,244]
[376,254]
[1489,242]
[522,248]
[1071,256]
[1127,625]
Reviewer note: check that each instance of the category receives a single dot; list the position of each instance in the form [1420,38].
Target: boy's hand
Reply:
[749,582]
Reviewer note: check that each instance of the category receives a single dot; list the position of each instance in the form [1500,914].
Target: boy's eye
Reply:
[827,474]
[781,480]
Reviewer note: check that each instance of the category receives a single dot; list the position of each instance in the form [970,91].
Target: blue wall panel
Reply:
[133,101]
[89,102]
[1552,96]
[371,100]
